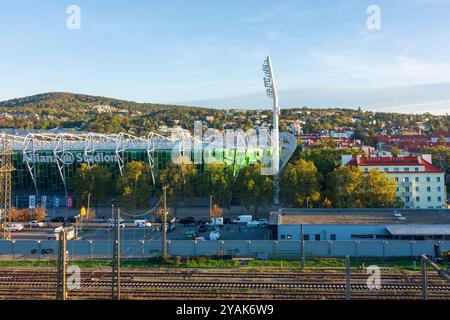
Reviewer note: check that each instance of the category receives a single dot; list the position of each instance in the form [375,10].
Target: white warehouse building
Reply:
[360,224]
[420,184]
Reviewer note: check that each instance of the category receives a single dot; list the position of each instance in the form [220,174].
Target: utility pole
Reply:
[210,206]
[115,295]
[6,168]
[164,225]
[61,293]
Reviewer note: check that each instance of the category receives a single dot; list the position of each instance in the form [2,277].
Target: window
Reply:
[429,199]
[417,169]
[396,179]
[366,169]
[362,236]
[417,189]
[407,199]
[439,189]
[439,199]
[333,237]
[289,236]
[396,169]
[428,179]
[283,237]
[386,169]
[417,179]
[306,237]
[398,189]
[407,179]
[407,189]
[418,199]
[438,179]
[428,189]
[317,237]
[407,169]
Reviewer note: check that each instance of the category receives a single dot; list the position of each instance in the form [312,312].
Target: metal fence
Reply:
[132,249]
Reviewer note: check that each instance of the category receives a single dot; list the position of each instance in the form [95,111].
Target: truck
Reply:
[142,224]
[243,219]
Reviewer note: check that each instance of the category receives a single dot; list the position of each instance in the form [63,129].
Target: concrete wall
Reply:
[238,248]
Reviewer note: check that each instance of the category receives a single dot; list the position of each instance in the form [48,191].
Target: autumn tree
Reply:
[300,184]
[345,186]
[95,180]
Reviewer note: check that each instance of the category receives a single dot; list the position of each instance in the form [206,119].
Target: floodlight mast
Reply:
[271,91]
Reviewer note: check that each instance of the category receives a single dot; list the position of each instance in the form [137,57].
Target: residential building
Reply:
[420,184]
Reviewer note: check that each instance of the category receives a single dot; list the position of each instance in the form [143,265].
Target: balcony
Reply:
[407,194]
[407,184]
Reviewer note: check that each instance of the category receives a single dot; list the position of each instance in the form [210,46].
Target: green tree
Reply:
[256,190]
[217,181]
[344,186]
[181,182]
[95,180]
[300,184]
[379,191]
[135,186]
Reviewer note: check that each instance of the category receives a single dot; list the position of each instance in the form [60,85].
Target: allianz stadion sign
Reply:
[68,158]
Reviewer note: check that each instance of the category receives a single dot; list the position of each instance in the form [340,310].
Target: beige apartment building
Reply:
[420,184]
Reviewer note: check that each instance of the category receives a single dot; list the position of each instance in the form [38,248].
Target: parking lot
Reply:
[101,231]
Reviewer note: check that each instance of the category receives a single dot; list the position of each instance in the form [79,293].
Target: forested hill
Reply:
[63,100]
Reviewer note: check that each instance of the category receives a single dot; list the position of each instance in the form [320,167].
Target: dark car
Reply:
[57,219]
[226,221]
[72,219]
[187,220]
[203,221]
[202,228]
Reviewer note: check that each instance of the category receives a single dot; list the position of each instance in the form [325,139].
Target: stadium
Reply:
[44,163]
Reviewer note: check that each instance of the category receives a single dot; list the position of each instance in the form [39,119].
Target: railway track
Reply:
[95,284]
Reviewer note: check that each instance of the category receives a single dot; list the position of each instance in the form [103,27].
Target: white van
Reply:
[16,227]
[142,224]
[244,219]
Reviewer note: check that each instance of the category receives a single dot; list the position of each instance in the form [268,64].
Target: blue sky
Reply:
[210,52]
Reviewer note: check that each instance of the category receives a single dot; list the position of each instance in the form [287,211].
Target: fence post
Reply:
[356,250]
[142,249]
[13,249]
[384,249]
[347,277]
[424,278]
[39,249]
[168,248]
[274,245]
[412,248]
[302,239]
[248,248]
[330,244]
[90,250]
[195,248]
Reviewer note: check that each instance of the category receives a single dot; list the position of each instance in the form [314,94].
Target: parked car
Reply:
[57,219]
[72,219]
[112,224]
[243,219]
[16,227]
[113,219]
[187,220]
[214,235]
[214,222]
[36,224]
[257,223]
[203,221]
[200,239]
[202,228]
[190,234]
[226,221]
[142,224]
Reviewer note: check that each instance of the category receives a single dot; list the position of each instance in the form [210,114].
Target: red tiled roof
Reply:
[395,161]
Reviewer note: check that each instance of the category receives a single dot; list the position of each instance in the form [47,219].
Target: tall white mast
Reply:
[271,91]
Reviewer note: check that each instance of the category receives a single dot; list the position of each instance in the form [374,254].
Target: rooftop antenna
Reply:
[271,91]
